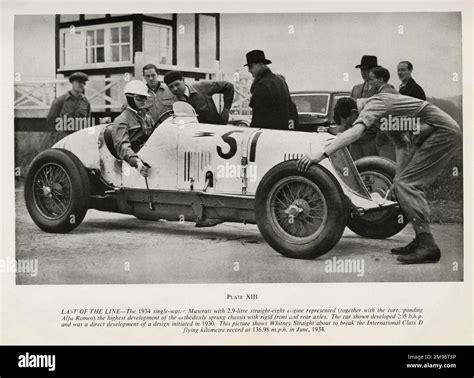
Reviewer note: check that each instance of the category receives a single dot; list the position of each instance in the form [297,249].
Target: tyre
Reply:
[57,191]
[300,214]
[377,174]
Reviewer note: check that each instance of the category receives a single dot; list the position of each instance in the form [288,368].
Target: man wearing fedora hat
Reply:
[270,102]
[364,90]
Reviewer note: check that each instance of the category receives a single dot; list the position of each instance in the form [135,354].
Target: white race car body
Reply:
[210,174]
[182,152]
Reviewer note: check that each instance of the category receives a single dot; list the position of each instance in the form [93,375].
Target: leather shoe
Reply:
[405,250]
[421,255]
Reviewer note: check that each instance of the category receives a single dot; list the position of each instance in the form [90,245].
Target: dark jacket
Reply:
[69,106]
[270,102]
[130,131]
[412,89]
[200,98]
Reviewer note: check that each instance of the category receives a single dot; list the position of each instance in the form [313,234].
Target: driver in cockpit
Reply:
[132,128]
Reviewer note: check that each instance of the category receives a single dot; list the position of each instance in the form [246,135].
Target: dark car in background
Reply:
[316,108]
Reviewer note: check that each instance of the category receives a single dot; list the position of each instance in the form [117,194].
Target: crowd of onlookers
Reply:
[376,80]
[270,100]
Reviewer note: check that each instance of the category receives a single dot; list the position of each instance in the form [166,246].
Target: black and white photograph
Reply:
[287,180]
[210,148]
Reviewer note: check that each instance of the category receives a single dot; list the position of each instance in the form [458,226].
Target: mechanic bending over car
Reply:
[131,129]
[199,96]
[421,156]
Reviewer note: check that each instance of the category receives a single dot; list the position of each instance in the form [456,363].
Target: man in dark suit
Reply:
[270,102]
[409,86]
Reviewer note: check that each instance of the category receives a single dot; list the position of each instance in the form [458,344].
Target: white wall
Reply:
[34,55]
[185,40]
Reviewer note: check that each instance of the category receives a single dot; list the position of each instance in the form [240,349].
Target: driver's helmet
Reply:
[136,87]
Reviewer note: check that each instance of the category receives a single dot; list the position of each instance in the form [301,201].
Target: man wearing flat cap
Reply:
[365,146]
[270,102]
[73,104]
[199,96]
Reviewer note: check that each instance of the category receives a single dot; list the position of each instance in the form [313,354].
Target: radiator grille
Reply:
[195,165]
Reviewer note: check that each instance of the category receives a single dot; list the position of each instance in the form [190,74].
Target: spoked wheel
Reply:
[298,209]
[52,191]
[301,215]
[57,191]
[378,185]
[377,173]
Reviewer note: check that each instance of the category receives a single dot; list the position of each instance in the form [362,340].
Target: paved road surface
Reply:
[117,249]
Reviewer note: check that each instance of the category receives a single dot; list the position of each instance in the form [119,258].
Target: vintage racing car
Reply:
[228,173]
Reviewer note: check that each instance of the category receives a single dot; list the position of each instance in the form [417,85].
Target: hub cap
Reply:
[377,185]
[52,191]
[298,209]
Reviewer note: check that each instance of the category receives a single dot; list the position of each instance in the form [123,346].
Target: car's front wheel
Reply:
[377,173]
[301,215]
[57,191]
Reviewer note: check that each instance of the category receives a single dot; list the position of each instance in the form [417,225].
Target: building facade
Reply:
[112,49]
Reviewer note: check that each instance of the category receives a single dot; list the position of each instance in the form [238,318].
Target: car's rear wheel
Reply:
[377,173]
[57,191]
[301,215]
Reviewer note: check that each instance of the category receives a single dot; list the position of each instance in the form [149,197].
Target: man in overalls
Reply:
[421,153]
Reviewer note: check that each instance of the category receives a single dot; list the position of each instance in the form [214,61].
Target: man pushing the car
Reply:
[133,126]
[422,152]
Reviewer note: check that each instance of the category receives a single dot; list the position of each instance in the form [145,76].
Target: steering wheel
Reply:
[163,117]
